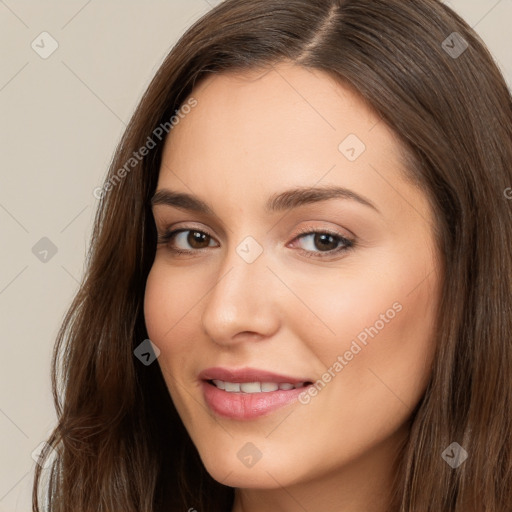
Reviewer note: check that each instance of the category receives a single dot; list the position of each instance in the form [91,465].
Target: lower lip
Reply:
[247,406]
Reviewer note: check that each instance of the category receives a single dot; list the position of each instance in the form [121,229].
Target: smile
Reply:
[245,401]
[255,387]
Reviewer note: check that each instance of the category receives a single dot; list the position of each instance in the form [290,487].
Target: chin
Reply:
[233,473]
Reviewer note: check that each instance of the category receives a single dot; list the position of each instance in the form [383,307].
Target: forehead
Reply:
[274,106]
[257,131]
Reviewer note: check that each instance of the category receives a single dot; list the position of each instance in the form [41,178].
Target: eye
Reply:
[195,239]
[329,242]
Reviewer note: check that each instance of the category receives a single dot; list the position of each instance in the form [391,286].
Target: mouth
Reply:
[256,387]
[240,395]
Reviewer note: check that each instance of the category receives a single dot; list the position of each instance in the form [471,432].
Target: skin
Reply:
[251,135]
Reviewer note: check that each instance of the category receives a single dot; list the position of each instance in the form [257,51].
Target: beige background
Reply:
[61,119]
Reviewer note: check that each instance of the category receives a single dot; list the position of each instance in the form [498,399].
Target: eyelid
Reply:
[300,231]
[310,230]
[348,242]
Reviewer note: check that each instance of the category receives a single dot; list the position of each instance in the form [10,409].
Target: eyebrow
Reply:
[283,201]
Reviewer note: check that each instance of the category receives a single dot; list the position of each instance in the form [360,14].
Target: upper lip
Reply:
[247,375]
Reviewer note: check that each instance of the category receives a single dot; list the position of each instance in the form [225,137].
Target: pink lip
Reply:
[247,406]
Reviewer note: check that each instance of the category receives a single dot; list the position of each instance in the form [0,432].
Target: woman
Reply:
[371,373]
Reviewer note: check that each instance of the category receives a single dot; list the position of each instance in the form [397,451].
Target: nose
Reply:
[243,303]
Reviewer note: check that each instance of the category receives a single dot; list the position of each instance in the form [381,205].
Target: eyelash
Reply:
[168,236]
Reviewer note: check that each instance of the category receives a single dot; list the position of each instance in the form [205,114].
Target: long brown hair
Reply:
[120,442]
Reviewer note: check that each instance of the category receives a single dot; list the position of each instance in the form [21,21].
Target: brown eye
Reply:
[196,239]
[185,240]
[322,244]
[325,241]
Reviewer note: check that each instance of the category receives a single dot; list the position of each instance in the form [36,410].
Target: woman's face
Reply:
[350,309]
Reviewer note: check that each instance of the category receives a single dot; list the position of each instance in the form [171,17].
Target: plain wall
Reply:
[61,118]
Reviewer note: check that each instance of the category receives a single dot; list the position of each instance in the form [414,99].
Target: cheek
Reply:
[376,367]
[157,305]
[379,322]
[398,359]
[169,301]
[169,314]
[168,311]
[342,307]
[402,358]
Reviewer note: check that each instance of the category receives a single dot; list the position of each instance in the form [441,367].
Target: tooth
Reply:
[232,386]
[269,386]
[250,387]
[255,387]
[219,383]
